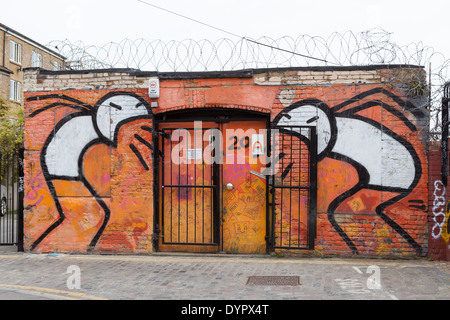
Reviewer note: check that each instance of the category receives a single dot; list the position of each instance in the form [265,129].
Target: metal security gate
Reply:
[190,184]
[11,205]
[293,188]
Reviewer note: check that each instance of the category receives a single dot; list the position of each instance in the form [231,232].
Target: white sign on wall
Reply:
[194,154]
[258,145]
[153,89]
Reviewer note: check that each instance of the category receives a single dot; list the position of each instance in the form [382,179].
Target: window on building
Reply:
[56,66]
[15,91]
[15,52]
[36,60]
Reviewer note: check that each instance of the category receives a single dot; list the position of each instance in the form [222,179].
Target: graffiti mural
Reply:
[85,131]
[354,132]
[100,176]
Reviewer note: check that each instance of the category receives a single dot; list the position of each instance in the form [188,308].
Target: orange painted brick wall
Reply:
[372,166]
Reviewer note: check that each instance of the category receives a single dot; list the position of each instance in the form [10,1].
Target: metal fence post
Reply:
[444,141]
[21,191]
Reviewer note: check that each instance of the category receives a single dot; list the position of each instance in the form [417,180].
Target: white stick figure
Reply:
[384,160]
[64,150]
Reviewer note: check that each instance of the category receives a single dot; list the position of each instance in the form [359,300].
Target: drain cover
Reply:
[273,281]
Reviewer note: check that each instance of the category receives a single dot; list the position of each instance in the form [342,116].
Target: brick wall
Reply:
[372,166]
[439,235]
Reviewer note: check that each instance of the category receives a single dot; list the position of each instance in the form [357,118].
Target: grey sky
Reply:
[101,21]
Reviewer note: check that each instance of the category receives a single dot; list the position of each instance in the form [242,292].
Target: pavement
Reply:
[219,277]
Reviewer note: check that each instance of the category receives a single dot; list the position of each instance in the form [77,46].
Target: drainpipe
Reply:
[5,32]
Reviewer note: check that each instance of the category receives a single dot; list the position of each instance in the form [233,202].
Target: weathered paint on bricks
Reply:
[90,158]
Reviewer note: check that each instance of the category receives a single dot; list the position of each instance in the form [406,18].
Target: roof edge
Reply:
[244,73]
[31,41]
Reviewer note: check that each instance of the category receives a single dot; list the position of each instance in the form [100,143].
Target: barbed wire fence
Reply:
[371,47]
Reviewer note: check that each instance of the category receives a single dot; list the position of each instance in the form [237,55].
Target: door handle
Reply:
[229,186]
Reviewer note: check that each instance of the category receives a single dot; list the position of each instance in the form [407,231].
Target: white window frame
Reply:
[15,52]
[36,59]
[15,91]
[56,66]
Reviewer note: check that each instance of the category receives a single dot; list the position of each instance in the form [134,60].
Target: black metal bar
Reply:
[187,141]
[191,244]
[268,200]
[290,193]
[312,214]
[195,182]
[8,195]
[13,210]
[156,200]
[445,131]
[21,194]
[216,198]
[179,197]
[14,177]
[281,204]
[291,248]
[2,232]
[293,187]
[273,192]
[203,197]
[299,193]
[189,186]
[171,193]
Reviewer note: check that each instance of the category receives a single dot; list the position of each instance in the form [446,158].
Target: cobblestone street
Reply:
[217,277]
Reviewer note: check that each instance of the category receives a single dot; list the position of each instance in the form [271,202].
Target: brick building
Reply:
[17,52]
[326,160]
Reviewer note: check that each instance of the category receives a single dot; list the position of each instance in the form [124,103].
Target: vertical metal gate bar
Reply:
[21,193]
[186,191]
[203,196]
[290,194]
[195,188]
[2,183]
[2,232]
[13,196]
[282,191]
[171,192]
[179,197]
[163,154]
[216,210]
[2,176]
[273,155]
[300,153]
[211,199]
[312,217]
[8,210]
[445,132]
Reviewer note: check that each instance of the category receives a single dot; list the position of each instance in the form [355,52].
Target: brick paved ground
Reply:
[217,277]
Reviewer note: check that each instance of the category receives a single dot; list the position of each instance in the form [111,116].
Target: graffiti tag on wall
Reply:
[439,210]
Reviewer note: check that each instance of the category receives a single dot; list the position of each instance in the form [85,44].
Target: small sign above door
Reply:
[258,144]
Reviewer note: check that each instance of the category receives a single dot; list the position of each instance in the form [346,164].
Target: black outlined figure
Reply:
[63,152]
[384,160]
